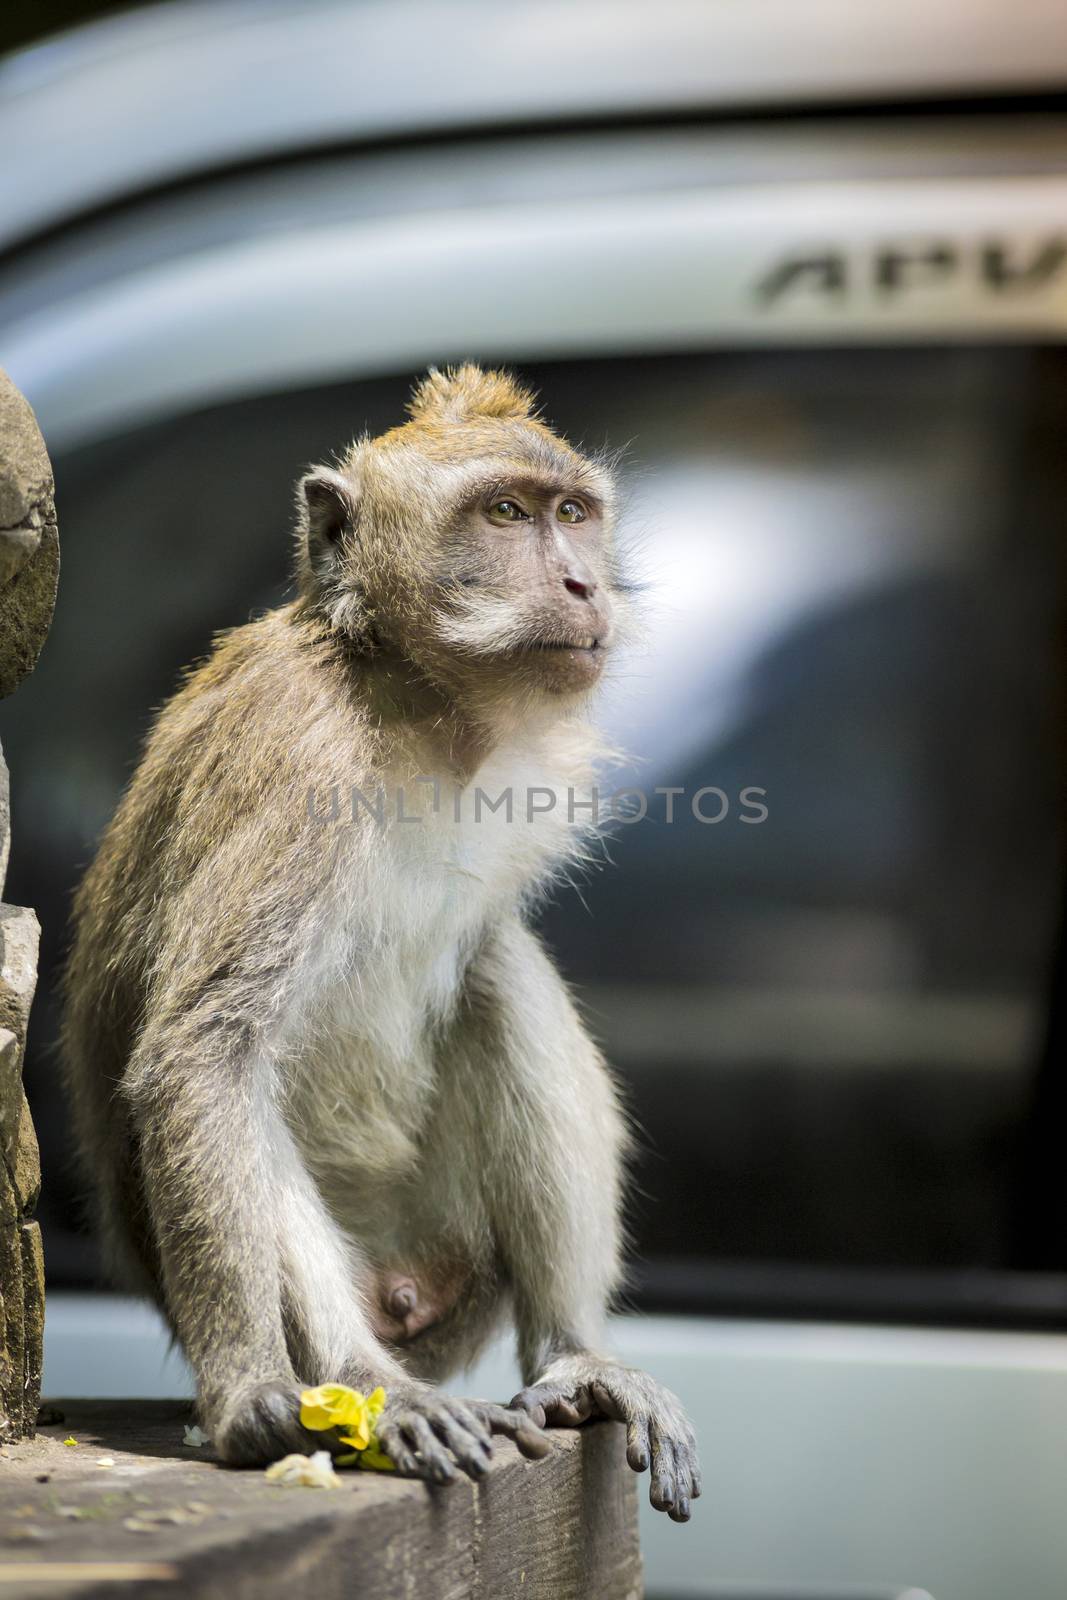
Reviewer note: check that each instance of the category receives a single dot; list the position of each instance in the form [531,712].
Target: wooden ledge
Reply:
[166,1519]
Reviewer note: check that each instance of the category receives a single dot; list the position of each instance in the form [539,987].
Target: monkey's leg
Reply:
[554,1140]
[251,1263]
[228,1195]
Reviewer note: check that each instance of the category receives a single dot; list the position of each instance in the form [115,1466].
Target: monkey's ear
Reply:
[328,512]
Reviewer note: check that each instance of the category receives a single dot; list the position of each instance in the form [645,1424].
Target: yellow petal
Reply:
[319,1418]
[70,1441]
[332,1405]
[359,1439]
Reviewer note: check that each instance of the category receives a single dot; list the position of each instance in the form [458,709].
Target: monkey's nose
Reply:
[584,588]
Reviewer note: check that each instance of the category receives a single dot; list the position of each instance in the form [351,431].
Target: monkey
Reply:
[341,1113]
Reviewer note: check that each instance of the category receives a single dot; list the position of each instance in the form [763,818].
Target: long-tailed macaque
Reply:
[339,1107]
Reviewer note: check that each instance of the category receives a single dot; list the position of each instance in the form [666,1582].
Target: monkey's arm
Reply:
[555,1143]
[246,1249]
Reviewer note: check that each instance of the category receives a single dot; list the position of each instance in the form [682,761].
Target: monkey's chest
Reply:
[365,1089]
[364,1086]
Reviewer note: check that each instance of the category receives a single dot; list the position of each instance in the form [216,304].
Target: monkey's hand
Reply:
[428,1434]
[260,1424]
[575,1388]
[425,1433]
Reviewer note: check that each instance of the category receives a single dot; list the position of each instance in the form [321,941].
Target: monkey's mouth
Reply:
[588,642]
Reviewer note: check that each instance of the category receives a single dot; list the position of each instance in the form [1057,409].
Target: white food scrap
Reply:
[305,1472]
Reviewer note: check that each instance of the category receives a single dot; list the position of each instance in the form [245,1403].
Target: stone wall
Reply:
[29,570]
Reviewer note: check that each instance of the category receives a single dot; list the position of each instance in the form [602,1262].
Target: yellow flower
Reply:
[335,1407]
[70,1441]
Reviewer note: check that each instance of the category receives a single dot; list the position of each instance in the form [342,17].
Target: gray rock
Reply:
[19,937]
[27,478]
[32,1251]
[29,573]
[10,1085]
[17,545]
[12,1333]
[29,541]
[5,820]
[26,1172]
[20,1181]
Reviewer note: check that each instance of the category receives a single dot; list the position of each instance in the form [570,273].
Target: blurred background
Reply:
[809,264]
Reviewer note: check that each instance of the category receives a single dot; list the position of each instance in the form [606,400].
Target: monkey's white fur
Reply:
[363,1075]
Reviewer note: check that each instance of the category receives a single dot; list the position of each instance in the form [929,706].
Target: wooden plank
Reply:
[168,1519]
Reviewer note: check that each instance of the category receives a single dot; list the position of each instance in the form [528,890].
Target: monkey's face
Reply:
[471,541]
[523,583]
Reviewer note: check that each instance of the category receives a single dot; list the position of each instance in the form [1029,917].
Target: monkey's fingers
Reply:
[519,1425]
[609,1403]
[663,1490]
[468,1414]
[552,1407]
[409,1441]
[638,1453]
[419,1431]
[534,1402]
[539,1401]
[675,1474]
[571,1411]
[404,1460]
[468,1441]
[688,1477]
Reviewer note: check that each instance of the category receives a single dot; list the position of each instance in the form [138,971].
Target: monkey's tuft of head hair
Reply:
[462,394]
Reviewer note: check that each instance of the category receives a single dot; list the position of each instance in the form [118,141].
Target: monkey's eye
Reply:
[571,511]
[508,511]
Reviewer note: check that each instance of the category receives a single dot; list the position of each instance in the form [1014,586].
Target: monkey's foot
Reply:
[428,1434]
[261,1424]
[575,1388]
